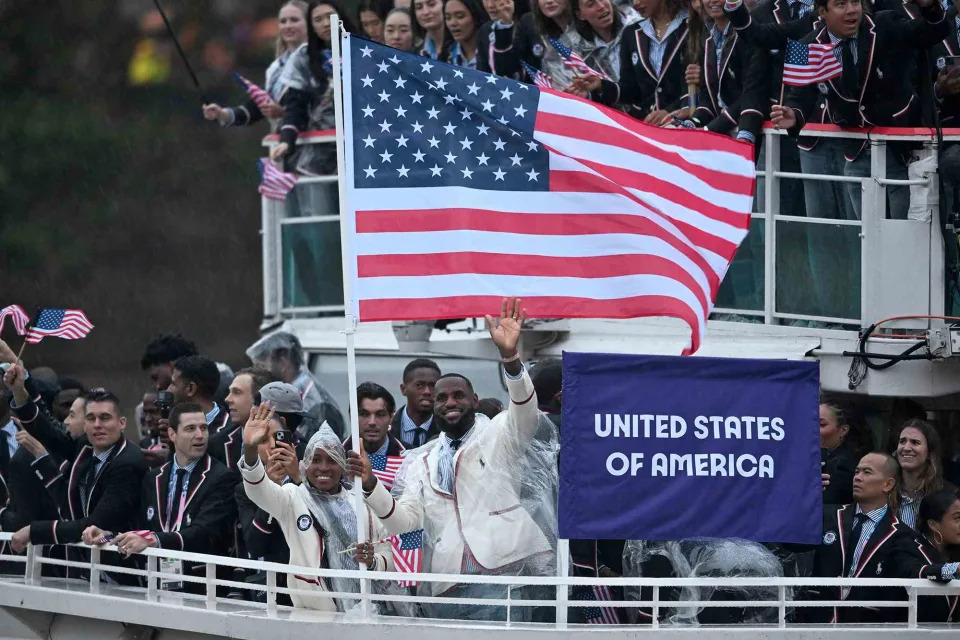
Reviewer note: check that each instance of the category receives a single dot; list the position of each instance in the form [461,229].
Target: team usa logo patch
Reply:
[538,50]
[150,513]
[829,537]
[635,58]
[304,522]
[941,62]
[822,86]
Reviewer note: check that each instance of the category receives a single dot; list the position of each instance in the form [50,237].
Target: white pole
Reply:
[350,320]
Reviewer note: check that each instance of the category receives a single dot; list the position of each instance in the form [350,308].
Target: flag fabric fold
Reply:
[464,187]
[17,315]
[805,64]
[274,183]
[260,97]
[408,554]
[69,324]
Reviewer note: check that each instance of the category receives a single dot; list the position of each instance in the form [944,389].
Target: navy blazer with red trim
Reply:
[891,552]
[113,500]
[208,515]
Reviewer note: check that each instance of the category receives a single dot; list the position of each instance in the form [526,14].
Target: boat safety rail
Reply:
[806,262]
[779,589]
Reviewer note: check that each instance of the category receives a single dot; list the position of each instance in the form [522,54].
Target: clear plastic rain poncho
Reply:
[505,487]
[335,514]
[318,403]
[705,557]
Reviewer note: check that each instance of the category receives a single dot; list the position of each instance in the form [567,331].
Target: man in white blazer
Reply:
[463,489]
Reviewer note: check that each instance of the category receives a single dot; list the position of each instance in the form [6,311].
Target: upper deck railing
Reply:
[775,594]
[792,269]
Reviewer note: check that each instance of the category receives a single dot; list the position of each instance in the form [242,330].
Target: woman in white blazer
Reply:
[316,516]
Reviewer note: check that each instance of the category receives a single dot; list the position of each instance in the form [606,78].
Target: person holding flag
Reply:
[869,89]
[464,488]
[266,102]
[377,408]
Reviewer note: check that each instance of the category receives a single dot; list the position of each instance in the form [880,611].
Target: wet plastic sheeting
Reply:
[703,557]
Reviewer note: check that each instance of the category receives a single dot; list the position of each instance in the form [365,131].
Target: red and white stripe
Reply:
[608,615]
[18,315]
[822,64]
[406,561]
[275,184]
[638,221]
[579,65]
[74,325]
[389,475]
[260,97]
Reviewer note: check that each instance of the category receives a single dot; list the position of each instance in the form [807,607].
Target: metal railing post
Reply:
[655,617]
[95,570]
[563,591]
[912,610]
[873,206]
[151,580]
[782,607]
[771,208]
[509,602]
[30,570]
[272,593]
[211,585]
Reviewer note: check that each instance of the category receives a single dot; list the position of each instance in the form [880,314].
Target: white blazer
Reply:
[483,515]
[287,506]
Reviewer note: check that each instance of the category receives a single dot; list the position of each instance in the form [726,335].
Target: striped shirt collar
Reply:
[876,515]
[102,457]
[212,414]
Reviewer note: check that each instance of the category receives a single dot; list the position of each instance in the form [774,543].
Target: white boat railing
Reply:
[783,600]
[767,280]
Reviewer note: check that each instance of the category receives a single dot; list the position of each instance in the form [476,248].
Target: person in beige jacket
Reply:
[316,516]
[464,488]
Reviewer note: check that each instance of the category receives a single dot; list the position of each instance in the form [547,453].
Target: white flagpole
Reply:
[349,317]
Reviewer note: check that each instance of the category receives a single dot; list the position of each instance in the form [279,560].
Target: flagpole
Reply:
[349,316]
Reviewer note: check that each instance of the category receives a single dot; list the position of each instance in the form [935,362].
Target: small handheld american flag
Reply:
[408,554]
[539,78]
[69,324]
[808,63]
[274,184]
[260,97]
[598,614]
[385,468]
[573,60]
[18,315]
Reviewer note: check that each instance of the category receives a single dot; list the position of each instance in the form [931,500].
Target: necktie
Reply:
[858,521]
[851,74]
[419,437]
[174,509]
[795,10]
[446,481]
[86,487]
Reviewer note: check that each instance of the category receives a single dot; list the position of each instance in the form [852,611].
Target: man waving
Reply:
[463,489]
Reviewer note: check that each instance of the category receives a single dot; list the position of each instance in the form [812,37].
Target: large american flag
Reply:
[408,554]
[598,614]
[385,468]
[260,97]
[805,64]
[274,184]
[69,324]
[464,187]
[19,317]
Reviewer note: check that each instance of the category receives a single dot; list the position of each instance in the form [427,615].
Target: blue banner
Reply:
[668,448]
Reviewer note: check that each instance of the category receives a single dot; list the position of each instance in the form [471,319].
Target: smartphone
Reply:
[283,436]
[164,402]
